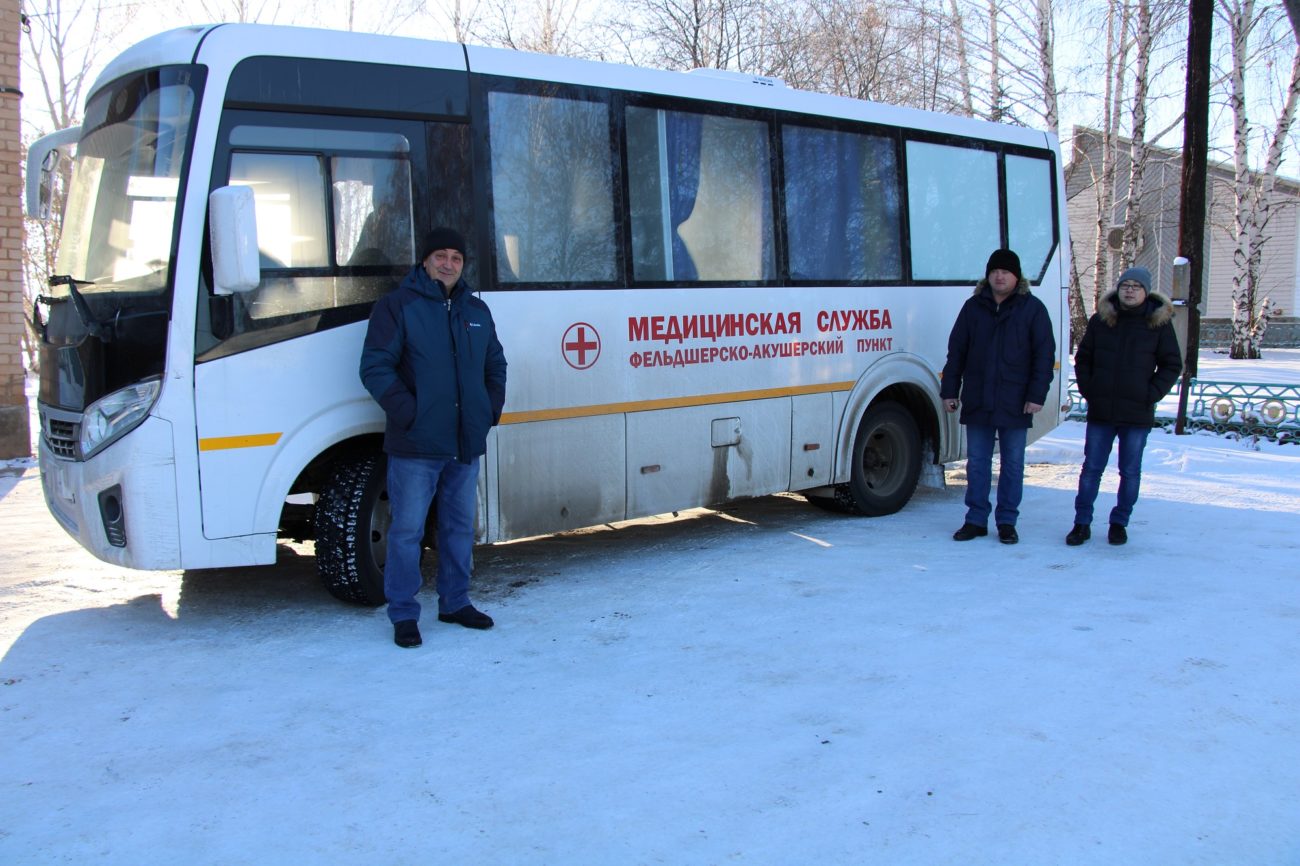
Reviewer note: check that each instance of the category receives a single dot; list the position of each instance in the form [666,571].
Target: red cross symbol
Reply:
[581,346]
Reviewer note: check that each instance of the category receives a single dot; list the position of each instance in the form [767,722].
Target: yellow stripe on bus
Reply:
[670,403]
[255,440]
[261,440]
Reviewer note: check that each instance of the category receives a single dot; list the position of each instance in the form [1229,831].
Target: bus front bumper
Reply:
[120,504]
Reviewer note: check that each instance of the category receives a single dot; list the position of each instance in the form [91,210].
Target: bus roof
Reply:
[224,45]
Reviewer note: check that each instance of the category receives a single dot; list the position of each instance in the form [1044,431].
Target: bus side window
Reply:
[288,191]
[1030,226]
[552,189]
[372,222]
[334,218]
[372,211]
[450,196]
[700,194]
[289,196]
[842,205]
[953,210]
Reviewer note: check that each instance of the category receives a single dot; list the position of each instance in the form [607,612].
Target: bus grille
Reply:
[62,437]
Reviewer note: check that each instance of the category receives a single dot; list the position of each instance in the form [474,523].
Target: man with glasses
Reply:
[1126,363]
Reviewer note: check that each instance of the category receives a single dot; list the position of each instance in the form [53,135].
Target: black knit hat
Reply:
[1004,260]
[442,238]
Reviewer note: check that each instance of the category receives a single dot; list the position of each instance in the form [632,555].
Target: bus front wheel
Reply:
[352,520]
[886,464]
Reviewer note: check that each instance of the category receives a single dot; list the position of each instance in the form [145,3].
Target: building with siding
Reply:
[1280,271]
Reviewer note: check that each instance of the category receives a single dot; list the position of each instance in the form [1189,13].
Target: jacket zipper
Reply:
[460,397]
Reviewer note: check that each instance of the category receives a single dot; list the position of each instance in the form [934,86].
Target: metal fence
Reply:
[1245,408]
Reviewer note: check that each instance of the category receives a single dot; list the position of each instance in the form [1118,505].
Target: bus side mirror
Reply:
[43,156]
[232,217]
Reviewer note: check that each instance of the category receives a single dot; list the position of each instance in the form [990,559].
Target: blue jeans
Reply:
[979,472]
[1098,440]
[413,483]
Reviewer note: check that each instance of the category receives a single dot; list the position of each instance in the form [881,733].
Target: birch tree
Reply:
[1132,232]
[1046,45]
[545,26]
[240,11]
[364,16]
[996,96]
[939,52]
[1004,54]
[962,41]
[846,47]
[1253,191]
[460,18]
[963,60]
[1117,17]
[695,34]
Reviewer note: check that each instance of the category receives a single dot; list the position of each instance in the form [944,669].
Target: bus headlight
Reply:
[111,416]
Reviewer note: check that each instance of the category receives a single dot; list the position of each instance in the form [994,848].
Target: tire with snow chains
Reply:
[352,520]
[886,464]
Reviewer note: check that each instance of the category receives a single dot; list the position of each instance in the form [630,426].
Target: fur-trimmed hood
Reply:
[1022,287]
[1159,310]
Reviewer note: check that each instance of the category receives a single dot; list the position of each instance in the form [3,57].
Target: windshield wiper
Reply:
[68,280]
[93,326]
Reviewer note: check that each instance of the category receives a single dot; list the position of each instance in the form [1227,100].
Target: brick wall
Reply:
[15,431]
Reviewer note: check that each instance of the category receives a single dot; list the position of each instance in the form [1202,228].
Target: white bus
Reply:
[709,286]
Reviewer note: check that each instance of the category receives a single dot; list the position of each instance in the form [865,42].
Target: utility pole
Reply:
[1191,214]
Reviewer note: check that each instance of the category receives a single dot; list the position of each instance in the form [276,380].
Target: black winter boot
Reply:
[1081,533]
[406,634]
[468,616]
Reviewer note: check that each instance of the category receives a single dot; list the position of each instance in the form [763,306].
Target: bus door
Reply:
[341,204]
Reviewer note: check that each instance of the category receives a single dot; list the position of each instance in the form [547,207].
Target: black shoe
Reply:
[1081,533]
[969,531]
[406,634]
[1007,533]
[1117,534]
[468,616]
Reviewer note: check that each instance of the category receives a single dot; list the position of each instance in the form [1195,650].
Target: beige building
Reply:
[1159,234]
[15,431]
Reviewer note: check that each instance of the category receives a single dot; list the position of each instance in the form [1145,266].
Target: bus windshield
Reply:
[121,205]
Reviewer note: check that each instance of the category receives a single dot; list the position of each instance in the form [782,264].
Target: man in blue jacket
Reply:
[1000,357]
[433,363]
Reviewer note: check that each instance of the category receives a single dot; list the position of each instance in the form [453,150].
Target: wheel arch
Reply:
[301,463]
[900,378]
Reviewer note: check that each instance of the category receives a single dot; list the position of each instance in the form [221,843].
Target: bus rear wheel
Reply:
[886,464]
[352,519]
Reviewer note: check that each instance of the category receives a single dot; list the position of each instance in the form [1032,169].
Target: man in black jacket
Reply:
[1126,363]
[1000,357]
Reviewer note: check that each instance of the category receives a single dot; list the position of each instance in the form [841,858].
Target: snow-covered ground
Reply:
[764,684]
[1278,366]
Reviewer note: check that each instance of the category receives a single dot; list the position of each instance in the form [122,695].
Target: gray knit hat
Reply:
[1137,275]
